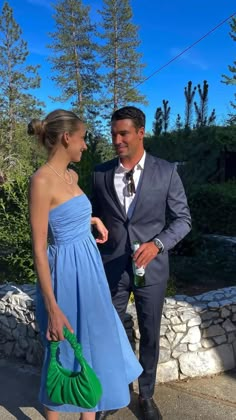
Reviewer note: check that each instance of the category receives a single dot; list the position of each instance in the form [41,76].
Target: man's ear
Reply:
[141,132]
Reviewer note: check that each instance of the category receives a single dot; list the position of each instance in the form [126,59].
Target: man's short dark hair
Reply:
[130,113]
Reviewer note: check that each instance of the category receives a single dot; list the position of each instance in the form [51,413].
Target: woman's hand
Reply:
[102,231]
[56,321]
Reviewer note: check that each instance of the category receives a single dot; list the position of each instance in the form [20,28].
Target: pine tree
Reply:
[120,58]
[189,95]
[165,115]
[158,122]
[74,60]
[201,110]
[16,78]
[232,80]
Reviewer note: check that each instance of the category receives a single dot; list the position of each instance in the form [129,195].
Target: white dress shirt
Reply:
[126,199]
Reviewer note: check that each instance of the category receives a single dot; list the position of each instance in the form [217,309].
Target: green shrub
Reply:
[16,254]
[213,208]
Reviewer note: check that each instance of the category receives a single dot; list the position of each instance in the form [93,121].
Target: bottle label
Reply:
[139,271]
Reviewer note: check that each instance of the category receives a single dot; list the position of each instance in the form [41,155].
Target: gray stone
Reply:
[193,336]
[2,307]
[199,307]
[225,302]
[206,324]
[8,348]
[209,362]
[170,336]
[179,328]
[218,321]
[177,339]
[234,348]
[175,320]
[23,343]
[213,331]
[209,315]
[167,371]
[229,326]
[194,321]
[220,340]
[186,316]
[164,355]
[194,347]
[234,318]
[136,333]
[165,321]
[18,351]
[12,322]
[213,305]
[4,321]
[231,337]
[163,330]
[170,301]
[180,298]
[164,343]
[190,299]
[169,314]
[207,343]
[181,348]
[233,308]
[183,304]
[225,313]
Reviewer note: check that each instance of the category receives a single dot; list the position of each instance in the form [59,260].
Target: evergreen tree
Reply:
[74,60]
[158,122]
[165,115]
[201,110]
[178,122]
[16,78]
[232,80]
[120,58]
[189,95]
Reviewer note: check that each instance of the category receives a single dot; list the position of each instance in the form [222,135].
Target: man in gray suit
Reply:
[133,194]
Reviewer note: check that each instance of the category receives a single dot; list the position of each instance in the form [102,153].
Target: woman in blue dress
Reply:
[72,288]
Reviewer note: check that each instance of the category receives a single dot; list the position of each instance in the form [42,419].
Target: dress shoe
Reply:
[101,415]
[149,409]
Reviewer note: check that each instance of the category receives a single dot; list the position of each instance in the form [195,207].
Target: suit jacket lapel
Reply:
[109,180]
[144,184]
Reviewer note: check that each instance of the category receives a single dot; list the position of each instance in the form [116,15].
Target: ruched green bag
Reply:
[82,389]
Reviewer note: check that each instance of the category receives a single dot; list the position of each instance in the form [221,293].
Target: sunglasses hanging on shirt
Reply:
[130,182]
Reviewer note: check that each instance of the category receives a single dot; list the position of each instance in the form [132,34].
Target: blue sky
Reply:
[165,29]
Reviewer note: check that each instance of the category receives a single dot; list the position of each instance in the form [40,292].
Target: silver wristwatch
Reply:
[159,244]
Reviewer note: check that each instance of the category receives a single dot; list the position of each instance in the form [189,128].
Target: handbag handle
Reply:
[71,338]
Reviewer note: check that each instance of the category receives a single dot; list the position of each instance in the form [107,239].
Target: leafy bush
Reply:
[15,237]
[213,208]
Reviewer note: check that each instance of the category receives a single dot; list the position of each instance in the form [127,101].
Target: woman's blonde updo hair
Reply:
[56,123]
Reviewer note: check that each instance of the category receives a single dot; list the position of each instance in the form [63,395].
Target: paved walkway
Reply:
[209,398]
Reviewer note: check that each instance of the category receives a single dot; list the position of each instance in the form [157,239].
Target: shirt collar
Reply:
[140,164]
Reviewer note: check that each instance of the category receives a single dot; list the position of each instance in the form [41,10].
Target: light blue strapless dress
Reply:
[82,293]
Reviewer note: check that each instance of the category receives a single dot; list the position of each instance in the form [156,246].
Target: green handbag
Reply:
[77,388]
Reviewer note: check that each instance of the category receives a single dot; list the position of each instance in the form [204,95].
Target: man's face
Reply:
[126,138]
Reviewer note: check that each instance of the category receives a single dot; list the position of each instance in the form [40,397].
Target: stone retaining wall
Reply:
[198,334]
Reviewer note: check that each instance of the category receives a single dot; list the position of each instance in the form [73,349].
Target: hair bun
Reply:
[36,128]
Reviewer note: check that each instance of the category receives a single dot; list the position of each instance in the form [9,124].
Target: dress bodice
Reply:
[70,221]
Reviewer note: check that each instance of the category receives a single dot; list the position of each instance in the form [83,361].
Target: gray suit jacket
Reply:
[160,194]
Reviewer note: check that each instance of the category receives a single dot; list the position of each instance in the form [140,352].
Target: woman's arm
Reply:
[102,231]
[39,206]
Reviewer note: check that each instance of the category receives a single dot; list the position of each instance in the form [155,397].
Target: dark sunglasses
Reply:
[130,180]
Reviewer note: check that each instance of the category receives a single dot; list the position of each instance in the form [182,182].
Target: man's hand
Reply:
[146,253]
